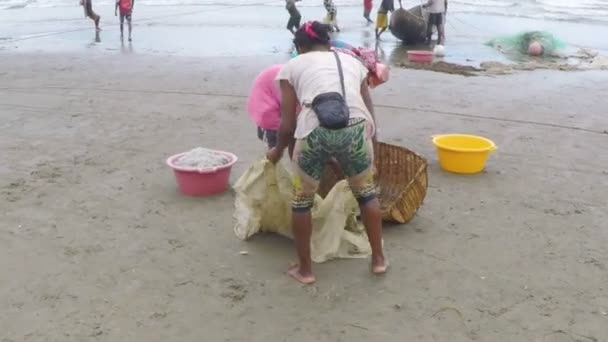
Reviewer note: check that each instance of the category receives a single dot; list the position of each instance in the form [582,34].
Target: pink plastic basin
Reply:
[202,182]
[420,56]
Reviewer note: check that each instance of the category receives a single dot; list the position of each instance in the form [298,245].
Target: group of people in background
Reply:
[122,7]
[382,21]
[436,9]
[331,17]
[293,24]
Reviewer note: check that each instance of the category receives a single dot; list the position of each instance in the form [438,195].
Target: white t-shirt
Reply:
[315,73]
[437,6]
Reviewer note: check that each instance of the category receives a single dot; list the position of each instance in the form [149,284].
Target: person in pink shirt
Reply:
[264,108]
[264,104]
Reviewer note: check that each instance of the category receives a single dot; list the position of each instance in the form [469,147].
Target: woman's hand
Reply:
[274,155]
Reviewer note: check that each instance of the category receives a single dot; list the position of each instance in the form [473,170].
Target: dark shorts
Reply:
[268,136]
[126,15]
[436,19]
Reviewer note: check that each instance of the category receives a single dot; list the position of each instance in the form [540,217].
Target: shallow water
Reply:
[219,31]
[565,10]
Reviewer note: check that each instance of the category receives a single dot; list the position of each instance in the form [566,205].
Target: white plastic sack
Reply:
[263,204]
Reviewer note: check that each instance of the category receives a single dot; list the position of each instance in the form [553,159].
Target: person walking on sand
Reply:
[367,10]
[294,16]
[126,9]
[437,10]
[382,17]
[332,15]
[88,12]
[327,84]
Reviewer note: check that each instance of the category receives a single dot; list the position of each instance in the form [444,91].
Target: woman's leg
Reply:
[441,30]
[371,215]
[298,20]
[129,17]
[302,230]
[309,160]
[91,14]
[357,163]
[290,23]
[380,24]
[429,30]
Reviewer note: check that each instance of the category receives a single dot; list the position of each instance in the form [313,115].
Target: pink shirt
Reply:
[264,102]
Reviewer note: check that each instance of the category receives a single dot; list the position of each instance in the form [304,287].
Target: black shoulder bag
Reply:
[331,108]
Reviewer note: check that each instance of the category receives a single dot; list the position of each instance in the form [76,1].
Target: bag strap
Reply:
[341,74]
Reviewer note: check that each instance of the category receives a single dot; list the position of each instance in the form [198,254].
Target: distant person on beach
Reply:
[294,16]
[88,12]
[332,15]
[264,104]
[319,76]
[437,10]
[126,9]
[382,16]
[367,10]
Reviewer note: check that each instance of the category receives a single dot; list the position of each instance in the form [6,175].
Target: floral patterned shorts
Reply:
[350,147]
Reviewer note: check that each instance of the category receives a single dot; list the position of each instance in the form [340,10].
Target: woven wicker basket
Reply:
[402,181]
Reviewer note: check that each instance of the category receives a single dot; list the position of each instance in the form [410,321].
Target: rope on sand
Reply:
[463,22]
[402,108]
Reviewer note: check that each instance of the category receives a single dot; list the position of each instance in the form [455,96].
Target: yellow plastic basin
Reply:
[462,153]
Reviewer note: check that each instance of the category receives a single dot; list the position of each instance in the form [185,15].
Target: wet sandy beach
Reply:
[233,31]
[96,244]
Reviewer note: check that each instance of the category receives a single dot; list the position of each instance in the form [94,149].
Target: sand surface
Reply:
[96,244]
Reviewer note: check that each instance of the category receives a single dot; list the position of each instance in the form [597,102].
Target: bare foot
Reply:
[294,272]
[379,266]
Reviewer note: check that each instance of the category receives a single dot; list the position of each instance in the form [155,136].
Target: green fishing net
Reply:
[518,44]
